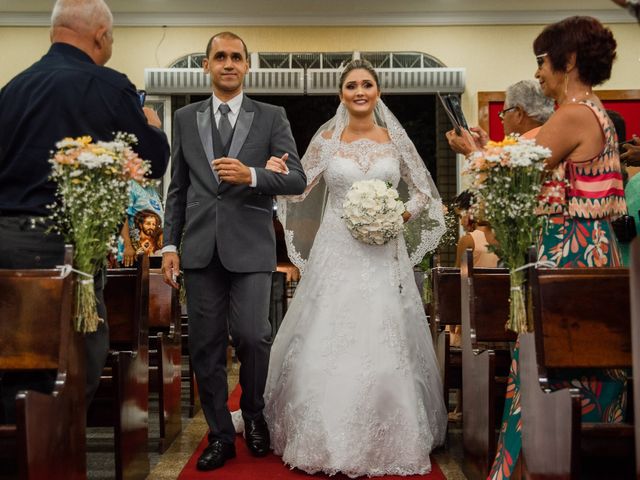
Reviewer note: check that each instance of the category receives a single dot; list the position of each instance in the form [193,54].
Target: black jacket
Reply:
[64,94]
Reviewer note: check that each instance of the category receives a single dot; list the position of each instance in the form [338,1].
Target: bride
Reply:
[353,384]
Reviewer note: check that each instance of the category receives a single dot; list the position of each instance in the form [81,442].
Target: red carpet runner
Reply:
[246,467]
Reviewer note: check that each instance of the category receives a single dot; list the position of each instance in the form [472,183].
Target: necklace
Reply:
[361,131]
[579,97]
[584,97]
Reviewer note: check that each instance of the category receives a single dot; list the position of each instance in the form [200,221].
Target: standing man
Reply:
[67,93]
[219,208]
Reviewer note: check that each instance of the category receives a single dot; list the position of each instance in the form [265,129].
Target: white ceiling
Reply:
[326,12]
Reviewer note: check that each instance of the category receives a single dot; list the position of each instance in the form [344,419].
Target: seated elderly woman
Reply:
[525,110]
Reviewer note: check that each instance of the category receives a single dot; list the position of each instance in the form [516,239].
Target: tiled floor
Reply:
[171,462]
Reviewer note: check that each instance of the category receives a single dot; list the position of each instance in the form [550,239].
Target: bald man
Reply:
[67,93]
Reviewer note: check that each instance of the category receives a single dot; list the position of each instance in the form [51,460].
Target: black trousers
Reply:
[24,244]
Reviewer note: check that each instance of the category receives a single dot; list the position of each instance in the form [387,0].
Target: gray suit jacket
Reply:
[202,212]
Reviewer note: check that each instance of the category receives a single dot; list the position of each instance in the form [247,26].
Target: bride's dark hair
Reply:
[358,64]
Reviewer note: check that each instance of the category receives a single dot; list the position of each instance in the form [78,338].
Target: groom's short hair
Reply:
[230,35]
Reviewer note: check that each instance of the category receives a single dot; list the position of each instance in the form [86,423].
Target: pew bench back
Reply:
[36,333]
[485,361]
[30,332]
[581,321]
[573,318]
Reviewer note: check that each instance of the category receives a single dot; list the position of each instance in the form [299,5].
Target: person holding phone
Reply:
[525,110]
[76,95]
[573,56]
[631,152]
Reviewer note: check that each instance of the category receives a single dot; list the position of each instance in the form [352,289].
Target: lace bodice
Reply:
[360,160]
[364,159]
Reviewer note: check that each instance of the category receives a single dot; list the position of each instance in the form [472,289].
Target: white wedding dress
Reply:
[353,382]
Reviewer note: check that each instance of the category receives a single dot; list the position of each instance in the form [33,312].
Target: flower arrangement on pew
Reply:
[373,212]
[506,180]
[92,196]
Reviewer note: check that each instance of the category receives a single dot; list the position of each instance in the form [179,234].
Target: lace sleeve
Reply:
[418,200]
[426,226]
[313,165]
[300,215]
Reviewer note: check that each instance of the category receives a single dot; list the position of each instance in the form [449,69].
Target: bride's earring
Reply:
[566,84]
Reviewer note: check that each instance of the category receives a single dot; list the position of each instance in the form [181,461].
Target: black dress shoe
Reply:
[215,455]
[256,434]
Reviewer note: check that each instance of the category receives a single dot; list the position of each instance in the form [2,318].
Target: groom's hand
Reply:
[232,170]
[171,269]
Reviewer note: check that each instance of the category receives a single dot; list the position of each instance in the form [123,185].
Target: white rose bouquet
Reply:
[93,192]
[373,211]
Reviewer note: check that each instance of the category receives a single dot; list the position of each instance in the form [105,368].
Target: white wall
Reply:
[494,56]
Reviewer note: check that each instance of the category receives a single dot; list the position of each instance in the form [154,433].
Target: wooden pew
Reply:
[444,311]
[484,312]
[278,302]
[634,293]
[591,332]
[36,333]
[165,356]
[122,399]
[188,375]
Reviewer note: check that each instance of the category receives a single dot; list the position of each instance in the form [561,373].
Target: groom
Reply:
[219,209]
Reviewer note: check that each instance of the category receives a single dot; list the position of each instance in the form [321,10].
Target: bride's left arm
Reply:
[418,199]
[313,163]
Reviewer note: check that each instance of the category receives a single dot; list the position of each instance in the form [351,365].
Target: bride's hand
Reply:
[278,165]
[406,216]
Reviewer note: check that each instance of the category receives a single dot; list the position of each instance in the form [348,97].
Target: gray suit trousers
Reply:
[219,303]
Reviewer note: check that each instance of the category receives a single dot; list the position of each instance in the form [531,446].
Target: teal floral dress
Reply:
[577,233]
[632,195]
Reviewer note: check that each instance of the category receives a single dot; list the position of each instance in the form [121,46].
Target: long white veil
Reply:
[301,215]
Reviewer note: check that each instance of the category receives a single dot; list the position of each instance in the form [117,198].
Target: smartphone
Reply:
[142,96]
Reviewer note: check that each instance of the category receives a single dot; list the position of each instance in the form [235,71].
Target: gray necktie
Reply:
[224,125]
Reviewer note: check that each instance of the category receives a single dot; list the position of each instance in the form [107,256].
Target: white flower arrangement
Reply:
[93,192]
[507,178]
[373,212]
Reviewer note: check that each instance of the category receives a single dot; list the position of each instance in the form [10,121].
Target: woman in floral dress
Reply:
[584,194]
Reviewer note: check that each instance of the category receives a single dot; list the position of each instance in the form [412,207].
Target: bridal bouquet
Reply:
[507,178]
[373,211]
[92,191]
